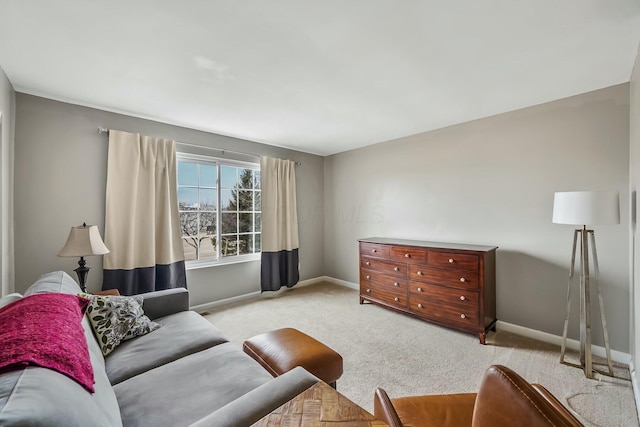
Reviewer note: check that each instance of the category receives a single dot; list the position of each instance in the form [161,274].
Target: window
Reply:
[220,205]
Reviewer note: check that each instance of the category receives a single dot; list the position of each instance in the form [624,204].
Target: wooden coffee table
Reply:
[318,406]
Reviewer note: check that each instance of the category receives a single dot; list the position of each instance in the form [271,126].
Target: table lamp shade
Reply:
[586,207]
[84,240]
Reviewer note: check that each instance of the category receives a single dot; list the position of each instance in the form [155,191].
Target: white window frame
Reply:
[218,162]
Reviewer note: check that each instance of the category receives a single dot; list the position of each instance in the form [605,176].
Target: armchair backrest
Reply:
[507,399]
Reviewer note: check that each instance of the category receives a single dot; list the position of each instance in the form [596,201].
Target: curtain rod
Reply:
[223,150]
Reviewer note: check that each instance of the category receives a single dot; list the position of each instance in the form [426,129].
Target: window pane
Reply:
[187,199]
[207,247]
[228,200]
[228,177]
[207,224]
[256,179]
[189,249]
[246,223]
[258,241]
[189,223]
[246,244]
[245,200]
[246,178]
[258,197]
[208,175]
[229,223]
[187,173]
[258,222]
[229,245]
[208,199]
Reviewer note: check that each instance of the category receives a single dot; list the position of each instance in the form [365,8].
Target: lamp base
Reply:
[82,271]
[586,358]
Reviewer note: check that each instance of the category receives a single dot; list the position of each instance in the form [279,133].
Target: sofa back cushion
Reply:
[38,396]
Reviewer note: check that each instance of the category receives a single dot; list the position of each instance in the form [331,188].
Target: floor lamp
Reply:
[586,208]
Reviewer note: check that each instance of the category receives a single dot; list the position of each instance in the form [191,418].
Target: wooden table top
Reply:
[319,406]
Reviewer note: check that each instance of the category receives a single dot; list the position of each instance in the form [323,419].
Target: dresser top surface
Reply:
[427,244]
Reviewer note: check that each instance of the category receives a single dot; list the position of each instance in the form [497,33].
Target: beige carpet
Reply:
[407,356]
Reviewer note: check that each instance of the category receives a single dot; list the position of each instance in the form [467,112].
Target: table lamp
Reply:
[83,241]
[586,208]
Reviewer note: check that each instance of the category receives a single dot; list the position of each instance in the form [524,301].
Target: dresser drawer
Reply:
[383,266]
[453,260]
[374,250]
[462,299]
[436,309]
[389,296]
[374,279]
[442,276]
[409,255]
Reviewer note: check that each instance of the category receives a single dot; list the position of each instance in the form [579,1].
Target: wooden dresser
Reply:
[452,285]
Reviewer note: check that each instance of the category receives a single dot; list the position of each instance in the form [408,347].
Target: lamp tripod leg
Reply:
[565,329]
[601,302]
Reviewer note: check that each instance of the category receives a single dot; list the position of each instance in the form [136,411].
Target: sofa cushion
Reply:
[184,391]
[45,330]
[117,318]
[181,334]
[40,397]
[56,281]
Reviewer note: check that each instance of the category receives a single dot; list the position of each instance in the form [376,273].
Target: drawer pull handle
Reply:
[462,316]
[367,263]
[374,250]
[407,255]
[420,306]
[396,268]
[368,277]
[419,289]
[420,273]
[396,299]
[462,298]
[396,284]
[368,291]
[450,260]
[462,279]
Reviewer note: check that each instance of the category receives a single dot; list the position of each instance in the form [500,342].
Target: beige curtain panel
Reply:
[142,225]
[279,265]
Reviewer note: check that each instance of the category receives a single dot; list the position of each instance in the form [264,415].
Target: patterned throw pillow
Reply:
[117,318]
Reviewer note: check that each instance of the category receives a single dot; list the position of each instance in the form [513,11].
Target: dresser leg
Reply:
[483,337]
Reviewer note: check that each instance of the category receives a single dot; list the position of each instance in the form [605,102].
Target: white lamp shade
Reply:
[84,240]
[586,207]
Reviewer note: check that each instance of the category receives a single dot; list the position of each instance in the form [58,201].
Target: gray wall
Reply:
[60,177]
[634,189]
[491,182]
[7,115]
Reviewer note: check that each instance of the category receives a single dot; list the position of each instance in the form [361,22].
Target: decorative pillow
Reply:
[117,318]
[45,330]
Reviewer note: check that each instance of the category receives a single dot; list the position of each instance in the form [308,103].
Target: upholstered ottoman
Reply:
[281,350]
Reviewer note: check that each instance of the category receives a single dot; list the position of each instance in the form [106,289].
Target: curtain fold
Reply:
[142,224]
[280,264]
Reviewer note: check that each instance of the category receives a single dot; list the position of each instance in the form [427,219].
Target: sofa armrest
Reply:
[163,303]
[260,402]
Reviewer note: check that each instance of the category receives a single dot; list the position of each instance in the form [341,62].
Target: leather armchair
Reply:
[504,399]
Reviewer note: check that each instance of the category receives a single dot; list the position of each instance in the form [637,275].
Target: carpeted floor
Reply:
[407,356]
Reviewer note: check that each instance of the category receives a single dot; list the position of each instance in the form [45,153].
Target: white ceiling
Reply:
[320,76]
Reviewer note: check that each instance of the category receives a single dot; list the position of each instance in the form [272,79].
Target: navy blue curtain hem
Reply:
[279,269]
[146,279]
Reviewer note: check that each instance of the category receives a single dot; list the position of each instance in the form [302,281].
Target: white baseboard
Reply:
[335,281]
[210,305]
[617,356]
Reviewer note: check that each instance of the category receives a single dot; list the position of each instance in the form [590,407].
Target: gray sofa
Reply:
[184,373]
